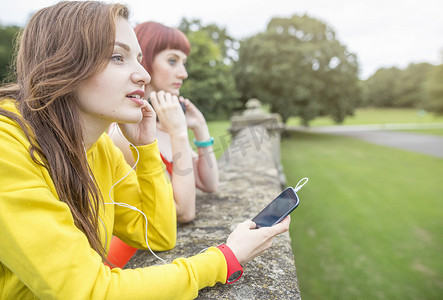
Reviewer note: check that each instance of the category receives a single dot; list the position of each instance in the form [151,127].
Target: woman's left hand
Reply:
[194,117]
[142,133]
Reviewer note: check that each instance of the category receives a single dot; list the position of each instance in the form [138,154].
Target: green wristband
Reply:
[203,144]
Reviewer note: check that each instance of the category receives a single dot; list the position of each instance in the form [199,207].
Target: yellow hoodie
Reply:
[44,255]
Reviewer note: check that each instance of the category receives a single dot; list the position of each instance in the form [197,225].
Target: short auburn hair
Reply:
[154,37]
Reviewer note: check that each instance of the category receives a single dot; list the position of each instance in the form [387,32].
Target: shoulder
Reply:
[8,109]
[15,156]
[9,128]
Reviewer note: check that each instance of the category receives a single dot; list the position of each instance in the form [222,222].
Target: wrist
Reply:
[144,142]
[201,131]
[234,268]
[179,134]
[203,144]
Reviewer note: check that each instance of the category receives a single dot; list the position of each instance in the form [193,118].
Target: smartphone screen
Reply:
[278,209]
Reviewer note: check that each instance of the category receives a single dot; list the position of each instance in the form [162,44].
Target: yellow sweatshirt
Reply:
[44,255]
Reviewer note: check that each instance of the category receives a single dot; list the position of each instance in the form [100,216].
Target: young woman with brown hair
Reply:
[66,189]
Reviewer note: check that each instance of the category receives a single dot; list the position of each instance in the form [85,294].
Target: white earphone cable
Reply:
[298,186]
[122,204]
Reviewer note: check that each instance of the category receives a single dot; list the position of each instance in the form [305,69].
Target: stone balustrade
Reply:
[250,177]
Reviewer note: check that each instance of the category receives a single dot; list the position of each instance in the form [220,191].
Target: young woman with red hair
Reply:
[165,51]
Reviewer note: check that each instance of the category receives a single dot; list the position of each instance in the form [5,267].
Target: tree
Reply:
[434,90]
[393,87]
[227,44]
[7,36]
[299,68]
[210,84]
[411,87]
[382,87]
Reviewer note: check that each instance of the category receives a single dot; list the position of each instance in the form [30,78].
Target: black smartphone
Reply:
[278,209]
[181,104]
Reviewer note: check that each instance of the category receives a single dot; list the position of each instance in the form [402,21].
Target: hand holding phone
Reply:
[278,209]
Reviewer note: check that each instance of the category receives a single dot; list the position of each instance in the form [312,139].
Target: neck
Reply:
[92,130]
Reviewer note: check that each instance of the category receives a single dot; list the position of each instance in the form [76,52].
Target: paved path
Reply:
[385,136]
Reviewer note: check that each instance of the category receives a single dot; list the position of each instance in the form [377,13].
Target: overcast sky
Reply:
[383,33]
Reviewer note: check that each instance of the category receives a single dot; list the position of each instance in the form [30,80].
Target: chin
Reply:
[175,92]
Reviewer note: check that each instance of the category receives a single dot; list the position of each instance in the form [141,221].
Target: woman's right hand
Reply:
[247,242]
[169,111]
[142,133]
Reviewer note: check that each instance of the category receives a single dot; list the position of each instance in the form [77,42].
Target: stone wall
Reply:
[249,180]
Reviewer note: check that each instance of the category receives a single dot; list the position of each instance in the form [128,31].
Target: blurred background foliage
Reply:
[299,68]
[7,45]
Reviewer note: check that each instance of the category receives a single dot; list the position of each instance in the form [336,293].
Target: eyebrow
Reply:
[122,45]
[176,55]
[176,52]
[127,48]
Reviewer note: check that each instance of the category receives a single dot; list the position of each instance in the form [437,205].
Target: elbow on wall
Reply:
[186,217]
[210,188]
[166,243]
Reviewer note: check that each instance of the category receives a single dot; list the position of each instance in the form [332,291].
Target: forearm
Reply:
[154,197]
[183,178]
[33,274]
[207,170]
[182,279]
[205,163]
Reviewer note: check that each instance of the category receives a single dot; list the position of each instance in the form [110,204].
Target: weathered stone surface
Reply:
[249,180]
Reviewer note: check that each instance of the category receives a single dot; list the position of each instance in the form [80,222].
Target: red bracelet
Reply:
[235,270]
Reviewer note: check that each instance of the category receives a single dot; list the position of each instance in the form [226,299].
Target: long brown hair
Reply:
[61,47]
[154,37]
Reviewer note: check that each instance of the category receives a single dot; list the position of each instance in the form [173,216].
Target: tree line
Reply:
[296,66]
[419,86]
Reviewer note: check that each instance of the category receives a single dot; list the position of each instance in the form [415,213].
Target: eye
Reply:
[172,61]
[117,58]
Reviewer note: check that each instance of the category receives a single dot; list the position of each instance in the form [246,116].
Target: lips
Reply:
[137,97]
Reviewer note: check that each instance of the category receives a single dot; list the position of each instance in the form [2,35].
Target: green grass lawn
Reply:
[362,116]
[222,138]
[426,131]
[370,220]
[377,116]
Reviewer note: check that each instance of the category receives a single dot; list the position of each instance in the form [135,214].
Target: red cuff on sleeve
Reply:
[235,270]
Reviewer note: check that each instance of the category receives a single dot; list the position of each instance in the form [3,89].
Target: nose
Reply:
[141,76]
[182,73]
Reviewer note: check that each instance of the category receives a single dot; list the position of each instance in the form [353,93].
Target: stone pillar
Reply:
[254,115]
